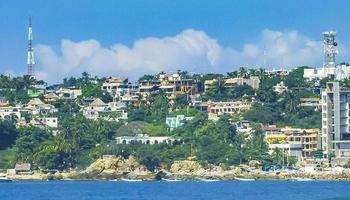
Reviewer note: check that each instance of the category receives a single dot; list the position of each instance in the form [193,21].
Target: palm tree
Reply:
[290,101]
[242,72]
[219,86]
[233,74]
[345,83]
[253,72]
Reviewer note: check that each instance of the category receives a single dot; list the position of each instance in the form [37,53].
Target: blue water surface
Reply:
[230,190]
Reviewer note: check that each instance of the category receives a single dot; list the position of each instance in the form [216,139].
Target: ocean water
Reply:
[226,190]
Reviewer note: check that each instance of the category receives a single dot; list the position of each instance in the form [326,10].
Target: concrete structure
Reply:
[3,102]
[35,92]
[244,127]
[145,139]
[294,150]
[229,107]
[319,73]
[9,111]
[329,69]
[37,107]
[51,97]
[277,72]
[45,122]
[307,139]
[179,83]
[176,122]
[335,120]
[310,102]
[280,88]
[113,111]
[68,93]
[172,84]
[253,81]
[92,110]
[116,86]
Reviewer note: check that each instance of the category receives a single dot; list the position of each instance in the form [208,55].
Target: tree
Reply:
[8,133]
[290,101]
[156,106]
[28,143]
[242,72]
[219,86]
[55,154]
[181,101]
[149,156]
[261,114]
[295,78]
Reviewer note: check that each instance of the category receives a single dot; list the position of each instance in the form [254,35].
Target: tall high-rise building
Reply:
[335,120]
[30,54]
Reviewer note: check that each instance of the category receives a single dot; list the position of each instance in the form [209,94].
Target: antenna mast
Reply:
[30,55]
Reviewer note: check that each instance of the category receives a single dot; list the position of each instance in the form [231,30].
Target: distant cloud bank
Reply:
[190,50]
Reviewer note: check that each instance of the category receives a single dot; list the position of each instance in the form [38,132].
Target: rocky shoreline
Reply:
[118,168]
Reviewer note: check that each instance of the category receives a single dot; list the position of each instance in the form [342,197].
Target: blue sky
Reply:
[78,35]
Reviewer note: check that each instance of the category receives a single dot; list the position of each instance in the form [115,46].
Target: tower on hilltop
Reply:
[30,55]
[329,48]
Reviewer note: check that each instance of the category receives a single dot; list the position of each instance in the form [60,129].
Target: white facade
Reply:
[49,122]
[116,86]
[253,82]
[145,139]
[294,150]
[8,111]
[339,72]
[65,93]
[229,107]
[280,88]
[335,120]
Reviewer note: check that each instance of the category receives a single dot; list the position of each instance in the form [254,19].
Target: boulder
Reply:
[185,166]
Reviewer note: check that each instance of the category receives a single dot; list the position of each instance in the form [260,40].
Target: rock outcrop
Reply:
[115,168]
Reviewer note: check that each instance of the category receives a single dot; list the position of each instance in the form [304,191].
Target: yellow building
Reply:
[307,138]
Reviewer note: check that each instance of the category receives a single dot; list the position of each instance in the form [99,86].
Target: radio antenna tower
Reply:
[329,48]
[30,55]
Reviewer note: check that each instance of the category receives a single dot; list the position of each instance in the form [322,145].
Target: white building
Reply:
[280,88]
[68,93]
[335,120]
[339,72]
[112,111]
[229,107]
[294,150]
[92,110]
[176,122]
[3,101]
[45,122]
[36,107]
[253,82]
[116,86]
[8,111]
[145,139]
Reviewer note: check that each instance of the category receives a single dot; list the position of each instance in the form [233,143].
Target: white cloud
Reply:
[190,50]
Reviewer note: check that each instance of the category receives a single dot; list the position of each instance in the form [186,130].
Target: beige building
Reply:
[171,83]
[253,81]
[229,107]
[305,139]
[308,138]
[116,86]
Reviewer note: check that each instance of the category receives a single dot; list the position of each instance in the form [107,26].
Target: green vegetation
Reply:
[78,141]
